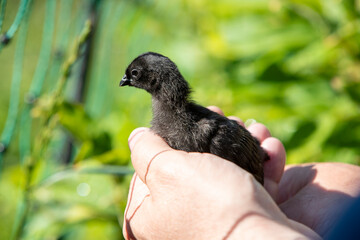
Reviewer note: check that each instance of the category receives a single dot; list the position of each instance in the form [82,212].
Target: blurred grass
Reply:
[292,65]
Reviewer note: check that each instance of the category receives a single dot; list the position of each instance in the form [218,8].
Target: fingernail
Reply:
[134,136]
[238,120]
[216,109]
[250,122]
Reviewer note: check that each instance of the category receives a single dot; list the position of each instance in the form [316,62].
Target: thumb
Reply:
[145,146]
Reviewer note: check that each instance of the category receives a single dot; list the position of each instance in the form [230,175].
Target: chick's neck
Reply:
[171,104]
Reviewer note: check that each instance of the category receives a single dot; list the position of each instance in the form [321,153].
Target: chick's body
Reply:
[187,126]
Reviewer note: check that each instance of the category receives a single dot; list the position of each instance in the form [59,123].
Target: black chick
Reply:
[186,126]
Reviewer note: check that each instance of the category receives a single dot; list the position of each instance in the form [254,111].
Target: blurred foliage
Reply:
[292,65]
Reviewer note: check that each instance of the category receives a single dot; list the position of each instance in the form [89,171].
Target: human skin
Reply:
[317,194]
[314,194]
[180,195]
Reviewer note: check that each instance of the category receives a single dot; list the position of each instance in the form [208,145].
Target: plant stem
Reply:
[44,137]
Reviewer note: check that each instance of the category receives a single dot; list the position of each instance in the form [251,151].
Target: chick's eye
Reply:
[134,73]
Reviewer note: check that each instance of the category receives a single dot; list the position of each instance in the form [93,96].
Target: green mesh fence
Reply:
[17,72]
[34,147]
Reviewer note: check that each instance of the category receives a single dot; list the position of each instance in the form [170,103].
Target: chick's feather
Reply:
[187,126]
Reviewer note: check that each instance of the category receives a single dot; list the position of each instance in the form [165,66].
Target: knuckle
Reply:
[163,165]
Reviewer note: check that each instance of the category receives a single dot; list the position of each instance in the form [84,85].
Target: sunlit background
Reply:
[292,65]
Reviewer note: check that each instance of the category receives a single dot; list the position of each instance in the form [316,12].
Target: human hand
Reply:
[180,195]
[316,194]
[274,167]
[313,194]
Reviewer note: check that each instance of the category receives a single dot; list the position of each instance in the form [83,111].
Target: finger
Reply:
[146,148]
[274,167]
[137,192]
[219,111]
[238,120]
[216,109]
[259,131]
[138,201]
[134,135]
[272,188]
[294,179]
[130,195]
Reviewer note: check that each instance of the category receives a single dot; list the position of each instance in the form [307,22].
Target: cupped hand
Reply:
[180,195]
[274,167]
[316,194]
[313,194]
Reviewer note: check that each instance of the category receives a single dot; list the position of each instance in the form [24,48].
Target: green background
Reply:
[292,65]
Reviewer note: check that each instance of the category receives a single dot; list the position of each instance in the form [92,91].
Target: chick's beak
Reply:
[125,81]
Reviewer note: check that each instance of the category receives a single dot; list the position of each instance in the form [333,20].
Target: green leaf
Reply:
[303,131]
[76,121]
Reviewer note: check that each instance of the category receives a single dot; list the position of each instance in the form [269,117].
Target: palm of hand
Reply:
[317,194]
